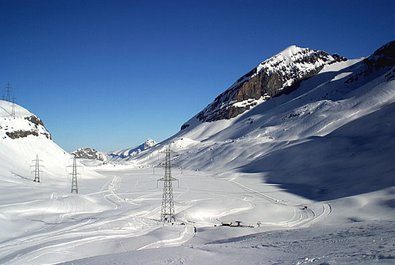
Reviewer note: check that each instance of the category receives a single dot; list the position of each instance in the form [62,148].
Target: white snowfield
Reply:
[304,178]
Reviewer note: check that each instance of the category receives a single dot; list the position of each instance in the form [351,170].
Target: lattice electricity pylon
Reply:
[10,98]
[7,92]
[74,174]
[37,169]
[167,214]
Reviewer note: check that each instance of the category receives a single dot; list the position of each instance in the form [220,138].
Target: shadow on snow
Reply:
[354,159]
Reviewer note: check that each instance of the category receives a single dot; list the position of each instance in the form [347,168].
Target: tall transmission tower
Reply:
[167,214]
[37,169]
[8,97]
[74,174]
[7,94]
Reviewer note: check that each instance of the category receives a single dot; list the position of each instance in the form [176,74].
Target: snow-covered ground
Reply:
[119,213]
[303,178]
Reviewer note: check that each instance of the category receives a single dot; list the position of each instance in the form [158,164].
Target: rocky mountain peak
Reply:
[272,77]
[149,143]
[89,153]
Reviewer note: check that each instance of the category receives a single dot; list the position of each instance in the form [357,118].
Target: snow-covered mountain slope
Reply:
[308,175]
[320,136]
[23,137]
[29,209]
[131,152]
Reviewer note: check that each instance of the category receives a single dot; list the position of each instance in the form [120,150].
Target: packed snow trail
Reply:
[184,236]
[302,215]
[129,219]
[79,229]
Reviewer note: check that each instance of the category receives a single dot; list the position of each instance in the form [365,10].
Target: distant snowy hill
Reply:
[22,137]
[131,152]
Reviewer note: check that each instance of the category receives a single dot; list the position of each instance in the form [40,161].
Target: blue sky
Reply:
[109,74]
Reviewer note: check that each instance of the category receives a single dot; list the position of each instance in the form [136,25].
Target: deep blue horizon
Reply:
[109,74]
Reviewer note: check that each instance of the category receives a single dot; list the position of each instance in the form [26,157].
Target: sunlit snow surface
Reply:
[119,214]
[309,176]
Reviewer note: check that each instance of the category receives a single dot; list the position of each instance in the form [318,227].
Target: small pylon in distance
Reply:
[74,183]
[7,92]
[37,169]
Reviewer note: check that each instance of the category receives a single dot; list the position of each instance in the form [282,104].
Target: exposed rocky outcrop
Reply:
[35,120]
[20,134]
[184,126]
[383,57]
[89,153]
[21,127]
[273,77]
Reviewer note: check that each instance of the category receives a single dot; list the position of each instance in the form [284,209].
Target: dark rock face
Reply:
[35,120]
[271,78]
[382,58]
[184,126]
[20,134]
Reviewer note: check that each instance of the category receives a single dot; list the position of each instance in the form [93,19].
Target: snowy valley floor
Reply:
[362,243]
[114,220]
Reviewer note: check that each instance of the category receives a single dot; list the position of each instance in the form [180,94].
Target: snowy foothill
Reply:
[303,178]
[129,153]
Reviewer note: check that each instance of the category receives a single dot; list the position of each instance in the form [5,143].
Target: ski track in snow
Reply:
[73,235]
[91,230]
[74,230]
[301,217]
[183,237]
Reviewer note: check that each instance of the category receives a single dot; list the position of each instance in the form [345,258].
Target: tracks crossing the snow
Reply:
[130,214]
